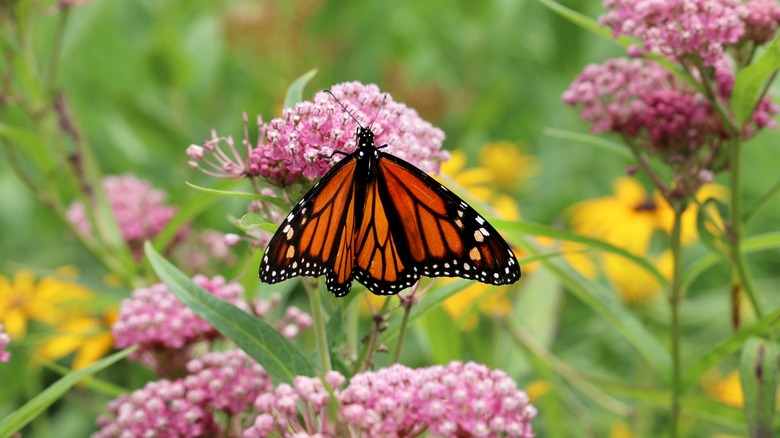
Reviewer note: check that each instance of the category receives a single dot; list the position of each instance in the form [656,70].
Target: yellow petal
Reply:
[632,283]
[59,346]
[537,389]
[727,390]
[455,164]
[93,350]
[15,323]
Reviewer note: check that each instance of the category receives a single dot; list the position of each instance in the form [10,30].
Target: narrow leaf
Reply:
[750,81]
[295,91]
[600,142]
[537,229]
[729,347]
[33,408]
[280,358]
[604,302]
[254,196]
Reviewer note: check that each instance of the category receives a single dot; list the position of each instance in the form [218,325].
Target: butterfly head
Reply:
[365,137]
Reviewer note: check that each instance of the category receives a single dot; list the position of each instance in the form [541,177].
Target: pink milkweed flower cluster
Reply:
[761,18]
[657,111]
[453,400]
[139,210]
[4,341]
[301,143]
[223,383]
[679,29]
[165,329]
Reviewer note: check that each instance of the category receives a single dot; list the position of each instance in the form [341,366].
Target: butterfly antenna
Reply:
[345,108]
[384,98]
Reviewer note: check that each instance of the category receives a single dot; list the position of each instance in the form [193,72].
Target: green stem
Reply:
[353,324]
[741,279]
[54,58]
[367,351]
[675,297]
[315,301]
[401,334]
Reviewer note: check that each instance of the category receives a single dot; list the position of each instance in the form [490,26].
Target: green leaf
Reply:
[186,213]
[536,229]
[728,347]
[281,359]
[30,410]
[750,82]
[758,375]
[604,302]
[598,141]
[443,341]
[251,221]
[295,92]
[99,386]
[254,196]
[761,242]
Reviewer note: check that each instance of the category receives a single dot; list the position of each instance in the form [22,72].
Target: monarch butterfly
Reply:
[378,219]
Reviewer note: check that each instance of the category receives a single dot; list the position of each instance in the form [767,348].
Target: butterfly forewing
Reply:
[316,238]
[438,234]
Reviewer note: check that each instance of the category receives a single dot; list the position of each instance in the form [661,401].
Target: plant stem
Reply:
[401,334]
[741,278]
[675,296]
[315,301]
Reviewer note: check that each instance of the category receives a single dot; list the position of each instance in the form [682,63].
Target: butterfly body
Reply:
[381,221]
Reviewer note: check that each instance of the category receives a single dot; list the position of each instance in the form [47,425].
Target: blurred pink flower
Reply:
[160,408]
[223,382]
[761,20]
[679,29]
[5,339]
[453,400]
[138,208]
[164,327]
[645,101]
[166,330]
[226,381]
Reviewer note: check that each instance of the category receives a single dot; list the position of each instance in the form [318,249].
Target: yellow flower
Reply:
[88,336]
[689,230]
[506,164]
[629,217]
[46,300]
[490,300]
[577,254]
[727,389]
[626,220]
[537,389]
[472,180]
[620,429]
[632,282]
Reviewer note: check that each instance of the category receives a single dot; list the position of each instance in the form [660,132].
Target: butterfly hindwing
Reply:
[381,263]
[316,237]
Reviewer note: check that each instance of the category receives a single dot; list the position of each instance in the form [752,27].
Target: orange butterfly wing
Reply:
[412,226]
[317,237]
